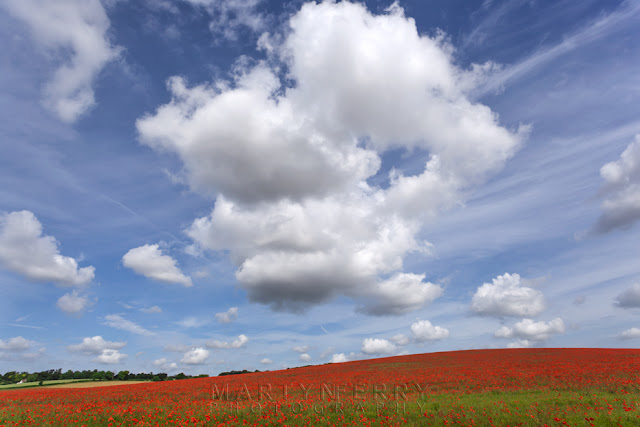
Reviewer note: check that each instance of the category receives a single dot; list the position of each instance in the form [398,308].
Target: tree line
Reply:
[13,377]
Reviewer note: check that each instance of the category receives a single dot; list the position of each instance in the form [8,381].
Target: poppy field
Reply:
[514,387]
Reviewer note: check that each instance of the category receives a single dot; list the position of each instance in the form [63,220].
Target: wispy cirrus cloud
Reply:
[118,322]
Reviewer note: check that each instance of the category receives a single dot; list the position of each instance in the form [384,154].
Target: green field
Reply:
[37,384]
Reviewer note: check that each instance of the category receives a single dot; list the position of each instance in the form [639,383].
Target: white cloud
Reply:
[149,261]
[301,348]
[621,207]
[520,343]
[195,356]
[118,322]
[506,296]
[400,339]
[423,330]
[75,31]
[110,357]
[289,165]
[401,294]
[339,358]
[266,361]
[305,357]
[95,345]
[378,346]
[192,322]
[230,17]
[630,334]
[151,310]
[165,365]
[264,160]
[629,298]
[73,303]
[239,342]
[228,316]
[16,344]
[530,330]
[25,250]
[16,349]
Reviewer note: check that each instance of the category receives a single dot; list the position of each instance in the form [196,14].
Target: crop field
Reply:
[515,387]
[45,383]
[93,384]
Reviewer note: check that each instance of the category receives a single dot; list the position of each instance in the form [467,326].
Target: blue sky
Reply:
[205,185]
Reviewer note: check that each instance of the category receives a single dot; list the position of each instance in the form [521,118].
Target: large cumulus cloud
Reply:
[288,146]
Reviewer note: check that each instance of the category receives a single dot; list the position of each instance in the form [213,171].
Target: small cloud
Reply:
[25,250]
[400,339]
[228,316]
[149,261]
[338,358]
[240,342]
[195,356]
[529,330]
[301,348]
[16,344]
[629,334]
[423,331]
[192,322]
[151,310]
[629,298]
[266,361]
[621,207]
[378,346]
[73,303]
[520,343]
[506,296]
[110,357]
[402,293]
[96,345]
[165,365]
[305,357]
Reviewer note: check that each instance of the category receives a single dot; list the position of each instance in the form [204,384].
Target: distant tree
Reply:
[123,375]
[8,378]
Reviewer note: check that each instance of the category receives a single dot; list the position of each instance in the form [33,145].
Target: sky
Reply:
[205,185]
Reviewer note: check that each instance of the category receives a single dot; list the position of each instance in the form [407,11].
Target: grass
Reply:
[515,408]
